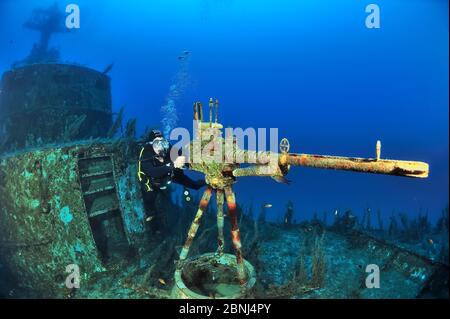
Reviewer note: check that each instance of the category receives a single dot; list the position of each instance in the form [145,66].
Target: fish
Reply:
[281,179]
[162,281]
[267,205]
[184,55]
[108,68]
[430,241]
[149,219]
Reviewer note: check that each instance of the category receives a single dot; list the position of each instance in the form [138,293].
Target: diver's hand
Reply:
[179,162]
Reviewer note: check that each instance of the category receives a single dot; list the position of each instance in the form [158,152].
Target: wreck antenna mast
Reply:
[211,105]
[217,111]
[195,112]
[200,110]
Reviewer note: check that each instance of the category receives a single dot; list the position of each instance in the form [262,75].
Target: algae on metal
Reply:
[44,222]
[44,226]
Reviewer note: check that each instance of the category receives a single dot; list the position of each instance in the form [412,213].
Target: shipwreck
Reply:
[70,194]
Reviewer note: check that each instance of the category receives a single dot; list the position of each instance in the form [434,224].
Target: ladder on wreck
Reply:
[101,200]
[98,185]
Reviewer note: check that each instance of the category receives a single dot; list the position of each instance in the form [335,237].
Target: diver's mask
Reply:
[160,146]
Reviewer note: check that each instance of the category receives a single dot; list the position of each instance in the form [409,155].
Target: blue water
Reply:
[310,68]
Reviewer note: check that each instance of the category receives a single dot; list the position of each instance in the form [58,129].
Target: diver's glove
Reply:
[180,162]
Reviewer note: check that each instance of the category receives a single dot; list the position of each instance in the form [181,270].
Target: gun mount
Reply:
[220,159]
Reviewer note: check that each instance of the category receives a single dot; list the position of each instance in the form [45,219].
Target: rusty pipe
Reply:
[220,221]
[235,234]
[356,164]
[196,223]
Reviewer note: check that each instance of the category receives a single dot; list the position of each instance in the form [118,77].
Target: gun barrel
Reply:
[365,165]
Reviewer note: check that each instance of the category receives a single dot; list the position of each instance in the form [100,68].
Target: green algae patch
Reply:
[65,215]
[44,224]
[35,203]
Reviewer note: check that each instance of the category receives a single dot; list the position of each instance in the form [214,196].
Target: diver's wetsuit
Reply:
[157,174]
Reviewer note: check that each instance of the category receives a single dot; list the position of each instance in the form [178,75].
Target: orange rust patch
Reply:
[188,242]
[204,203]
[303,160]
[238,257]
[235,236]
[231,206]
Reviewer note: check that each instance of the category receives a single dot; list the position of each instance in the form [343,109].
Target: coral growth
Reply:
[318,263]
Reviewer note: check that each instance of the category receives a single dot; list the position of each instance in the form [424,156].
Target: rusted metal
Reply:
[200,111]
[220,221]
[355,164]
[211,106]
[65,93]
[195,112]
[182,291]
[44,223]
[222,168]
[196,223]
[378,150]
[266,165]
[235,234]
[216,104]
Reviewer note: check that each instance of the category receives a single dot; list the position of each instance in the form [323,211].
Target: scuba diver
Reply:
[156,170]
